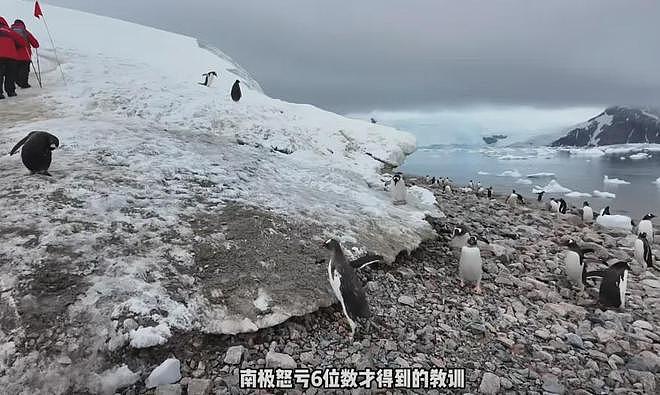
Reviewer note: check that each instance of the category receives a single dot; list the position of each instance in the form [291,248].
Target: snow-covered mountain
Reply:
[615,125]
[170,204]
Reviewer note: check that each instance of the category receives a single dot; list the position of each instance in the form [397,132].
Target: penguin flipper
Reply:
[20,143]
[365,260]
[588,251]
[595,273]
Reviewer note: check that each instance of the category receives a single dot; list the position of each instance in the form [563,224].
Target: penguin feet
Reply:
[477,289]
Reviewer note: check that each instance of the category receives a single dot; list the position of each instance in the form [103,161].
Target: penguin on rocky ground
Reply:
[471,185]
[646,226]
[642,250]
[398,189]
[576,269]
[520,198]
[209,78]
[587,213]
[512,199]
[447,189]
[489,191]
[539,196]
[470,264]
[613,286]
[433,180]
[36,153]
[346,286]
[562,206]
[554,205]
[236,91]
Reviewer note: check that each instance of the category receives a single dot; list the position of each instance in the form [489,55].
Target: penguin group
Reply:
[211,76]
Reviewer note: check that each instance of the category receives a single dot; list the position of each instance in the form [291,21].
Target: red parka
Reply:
[10,41]
[25,53]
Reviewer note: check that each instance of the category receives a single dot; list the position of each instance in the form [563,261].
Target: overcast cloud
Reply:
[358,56]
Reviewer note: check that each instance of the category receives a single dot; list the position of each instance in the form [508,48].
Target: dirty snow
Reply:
[150,336]
[167,372]
[146,152]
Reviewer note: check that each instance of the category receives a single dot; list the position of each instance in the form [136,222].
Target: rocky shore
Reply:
[529,332]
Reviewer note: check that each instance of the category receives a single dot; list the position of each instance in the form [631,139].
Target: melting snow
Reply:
[150,336]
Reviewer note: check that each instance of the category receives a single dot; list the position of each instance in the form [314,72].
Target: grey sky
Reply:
[356,56]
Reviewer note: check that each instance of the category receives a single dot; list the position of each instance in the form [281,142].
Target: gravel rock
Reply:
[170,389]
[490,384]
[407,300]
[234,355]
[646,361]
[279,360]
[200,387]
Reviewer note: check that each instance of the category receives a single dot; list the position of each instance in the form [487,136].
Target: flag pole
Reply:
[38,13]
[37,71]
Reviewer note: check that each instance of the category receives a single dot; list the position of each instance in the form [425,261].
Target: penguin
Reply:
[576,270]
[562,206]
[36,152]
[459,237]
[520,199]
[470,264]
[646,226]
[427,179]
[471,185]
[447,189]
[539,196]
[489,190]
[642,250]
[587,213]
[209,78]
[605,211]
[398,189]
[346,286]
[554,205]
[512,199]
[433,180]
[614,285]
[373,120]
[236,91]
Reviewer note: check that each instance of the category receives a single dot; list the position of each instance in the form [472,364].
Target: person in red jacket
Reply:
[10,42]
[24,54]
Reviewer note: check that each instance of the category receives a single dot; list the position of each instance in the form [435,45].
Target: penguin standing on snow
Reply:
[346,286]
[587,213]
[36,152]
[614,285]
[646,226]
[209,78]
[539,196]
[642,250]
[236,91]
[576,270]
[398,189]
[470,264]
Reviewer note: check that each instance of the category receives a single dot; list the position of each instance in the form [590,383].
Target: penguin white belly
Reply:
[554,207]
[646,226]
[399,192]
[623,286]
[513,200]
[587,214]
[573,267]
[459,241]
[469,267]
[447,189]
[639,251]
[335,282]
[211,79]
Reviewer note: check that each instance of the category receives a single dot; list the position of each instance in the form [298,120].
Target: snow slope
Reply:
[170,204]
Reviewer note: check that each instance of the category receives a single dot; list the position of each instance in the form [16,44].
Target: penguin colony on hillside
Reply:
[612,292]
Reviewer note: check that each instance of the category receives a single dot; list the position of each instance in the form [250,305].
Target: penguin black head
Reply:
[53,142]
[331,244]
[213,73]
[570,243]
[514,191]
[606,210]
[585,204]
[620,266]
[649,216]
[472,241]
[642,235]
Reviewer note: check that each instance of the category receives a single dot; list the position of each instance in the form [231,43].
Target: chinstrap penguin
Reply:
[236,91]
[37,151]
[470,264]
[346,286]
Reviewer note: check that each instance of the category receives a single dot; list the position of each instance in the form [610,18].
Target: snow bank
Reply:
[615,181]
[605,195]
[576,194]
[510,173]
[150,336]
[552,187]
[422,195]
[614,221]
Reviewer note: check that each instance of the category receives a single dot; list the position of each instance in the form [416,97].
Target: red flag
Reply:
[37,10]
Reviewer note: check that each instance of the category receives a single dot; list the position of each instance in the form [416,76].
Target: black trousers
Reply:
[22,73]
[8,75]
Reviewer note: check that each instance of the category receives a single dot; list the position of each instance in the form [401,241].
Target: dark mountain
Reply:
[615,125]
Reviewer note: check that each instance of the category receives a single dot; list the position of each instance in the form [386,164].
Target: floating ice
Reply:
[641,155]
[657,181]
[552,187]
[606,195]
[483,173]
[540,175]
[617,181]
[576,194]
[511,173]
[523,181]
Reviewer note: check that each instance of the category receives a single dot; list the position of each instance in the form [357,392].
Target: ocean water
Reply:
[580,170]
